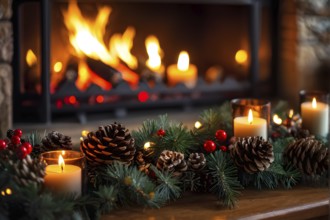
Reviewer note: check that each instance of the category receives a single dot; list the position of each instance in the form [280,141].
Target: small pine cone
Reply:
[308,155]
[252,154]
[172,161]
[299,133]
[143,166]
[29,171]
[108,144]
[56,141]
[196,161]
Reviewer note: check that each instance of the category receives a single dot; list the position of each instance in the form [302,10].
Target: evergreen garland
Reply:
[117,185]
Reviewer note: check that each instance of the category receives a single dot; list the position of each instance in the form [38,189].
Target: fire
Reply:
[61,162]
[183,61]
[314,103]
[250,117]
[155,54]
[121,45]
[87,39]
[31,58]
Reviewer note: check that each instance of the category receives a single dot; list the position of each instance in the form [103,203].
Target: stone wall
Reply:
[6,54]
[305,47]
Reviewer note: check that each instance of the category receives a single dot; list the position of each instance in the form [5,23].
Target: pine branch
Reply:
[134,187]
[191,181]
[225,181]
[168,186]
[107,199]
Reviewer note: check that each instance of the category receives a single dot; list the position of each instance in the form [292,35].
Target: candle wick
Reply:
[62,167]
[250,122]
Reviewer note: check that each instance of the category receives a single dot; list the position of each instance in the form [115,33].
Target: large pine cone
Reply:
[252,154]
[307,154]
[143,166]
[196,161]
[56,141]
[172,161]
[29,171]
[109,143]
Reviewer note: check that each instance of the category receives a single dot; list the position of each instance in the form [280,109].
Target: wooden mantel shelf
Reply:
[297,203]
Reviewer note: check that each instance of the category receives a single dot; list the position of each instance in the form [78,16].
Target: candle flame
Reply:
[61,162]
[250,117]
[241,56]
[31,58]
[183,61]
[277,120]
[198,124]
[314,103]
[147,145]
[63,152]
[291,113]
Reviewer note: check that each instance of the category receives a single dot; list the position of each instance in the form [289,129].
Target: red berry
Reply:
[22,152]
[221,135]
[18,132]
[15,139]
[209,146]
[161,132]
[223,148]
[3,145]
[28,147]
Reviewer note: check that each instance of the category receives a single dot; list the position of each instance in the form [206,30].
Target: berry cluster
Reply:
[210,146]
[15,142]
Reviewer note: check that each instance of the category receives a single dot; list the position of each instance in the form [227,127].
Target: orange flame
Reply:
[250,117]
[155,54]
[86,37]
[31,58]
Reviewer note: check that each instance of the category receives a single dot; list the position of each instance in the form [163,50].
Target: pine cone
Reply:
[29,171]
[307,154]
[172,161]
[252,154]
[196,161]
[56,141]
[143,166]
[109,143]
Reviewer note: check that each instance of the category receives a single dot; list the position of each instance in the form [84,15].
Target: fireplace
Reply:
[76,58]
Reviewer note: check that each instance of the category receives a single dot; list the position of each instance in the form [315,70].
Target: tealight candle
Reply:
[315,117]
[182,72]
[63,178]
[250,126]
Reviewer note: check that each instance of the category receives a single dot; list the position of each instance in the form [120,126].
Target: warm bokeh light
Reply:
[8,191]
[143,96]
[277,120]
[99,99]
[183,61]
[72,100]
[250,116]
[291,112]
[84,133]
[198,124]
[241,56]
[58,67]
[314,103]
[147,145]
[30,58]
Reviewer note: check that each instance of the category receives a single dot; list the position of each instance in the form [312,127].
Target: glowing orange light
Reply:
[72,100]
[250,117]
[198,124]
[100,99]
[241,56]
[30,58]
[154,51]
[143,96]
[61,163]
[58,67]
[291,112]
[314,103]
[183,61]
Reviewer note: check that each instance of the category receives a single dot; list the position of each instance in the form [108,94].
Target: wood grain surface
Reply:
[297,203]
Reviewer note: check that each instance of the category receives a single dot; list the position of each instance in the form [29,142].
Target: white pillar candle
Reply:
[250,126]
[315,117]
[63,178]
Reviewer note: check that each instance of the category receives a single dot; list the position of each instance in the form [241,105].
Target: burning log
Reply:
[104,71]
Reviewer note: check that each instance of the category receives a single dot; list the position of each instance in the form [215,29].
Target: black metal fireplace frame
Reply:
[46,109]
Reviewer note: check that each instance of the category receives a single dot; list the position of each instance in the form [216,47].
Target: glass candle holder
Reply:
[314,110]
[251,117]
[65,171]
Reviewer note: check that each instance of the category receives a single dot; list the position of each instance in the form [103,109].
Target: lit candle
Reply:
[183,72]
[63,178]
[315,117]
[250,126]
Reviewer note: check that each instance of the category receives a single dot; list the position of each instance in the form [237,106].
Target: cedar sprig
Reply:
[225,180]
